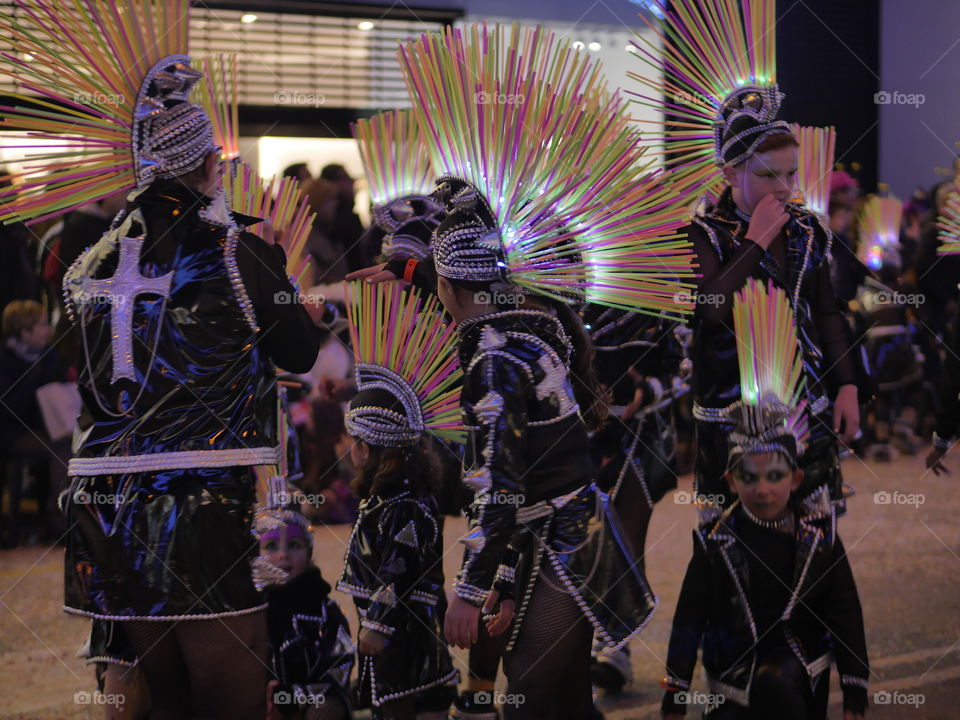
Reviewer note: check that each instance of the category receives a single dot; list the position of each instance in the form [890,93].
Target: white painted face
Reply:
[763,482]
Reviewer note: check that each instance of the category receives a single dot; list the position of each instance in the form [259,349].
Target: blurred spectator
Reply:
[326,464]
[847,272]
[328,253]
[300,171]
[936,274]
[27,363]
[19,279]
[81,228]
[346,229]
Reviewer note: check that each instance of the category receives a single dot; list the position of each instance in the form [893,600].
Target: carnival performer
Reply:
[180,340]
[521,211]
[408,387]
[639,364]
[310,647]
[728,139]
[768,595]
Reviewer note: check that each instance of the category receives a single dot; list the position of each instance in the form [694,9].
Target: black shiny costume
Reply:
[310,642]
[771,610]
[797,261]
[394,571]
[528,458]
[164,543]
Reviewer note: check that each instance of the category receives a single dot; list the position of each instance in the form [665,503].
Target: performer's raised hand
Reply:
[767,221]
[371,642]
[372,274]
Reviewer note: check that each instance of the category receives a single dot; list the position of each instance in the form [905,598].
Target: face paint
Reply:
[763,482]
[288,548]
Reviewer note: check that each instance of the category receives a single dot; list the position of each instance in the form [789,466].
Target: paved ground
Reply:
[905,557]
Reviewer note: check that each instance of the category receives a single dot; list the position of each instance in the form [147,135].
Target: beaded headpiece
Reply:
[771,414]
[398,173]
[815,170]
[718,86]
[113,113]
[878,231]
[541,173]
[407,371]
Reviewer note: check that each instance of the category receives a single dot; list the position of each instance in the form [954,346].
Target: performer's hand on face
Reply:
[371,642]
[501,621]
[372,274]
[933,461]
[767,221]
[846,414]
[461,626]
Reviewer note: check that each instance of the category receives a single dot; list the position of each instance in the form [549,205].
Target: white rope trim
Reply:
[180,460]
[164,618]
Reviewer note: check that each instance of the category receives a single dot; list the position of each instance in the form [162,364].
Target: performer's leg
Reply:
[164,668]
[227,662]
[548,669]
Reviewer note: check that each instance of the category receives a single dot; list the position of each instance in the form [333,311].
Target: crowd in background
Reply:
[900,338]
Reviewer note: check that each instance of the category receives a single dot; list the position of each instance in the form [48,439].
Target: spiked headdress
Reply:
[949,225]
[113,81]
[816,166]
[770,415]
[400,178]
[878,231]
[407,371]
[541,173]
[718,65]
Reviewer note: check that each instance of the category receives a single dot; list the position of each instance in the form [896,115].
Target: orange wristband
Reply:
[408,269]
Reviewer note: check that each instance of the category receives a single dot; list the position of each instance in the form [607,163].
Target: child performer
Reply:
[718,66]
[408,385]
[522,211]
[311,651]
[769,594]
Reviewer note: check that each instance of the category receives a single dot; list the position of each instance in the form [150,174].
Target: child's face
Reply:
[287,548]
[359,453]
[763,482]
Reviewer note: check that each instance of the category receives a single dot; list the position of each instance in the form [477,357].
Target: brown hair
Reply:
[390,470]
[776,142]
[21,315]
